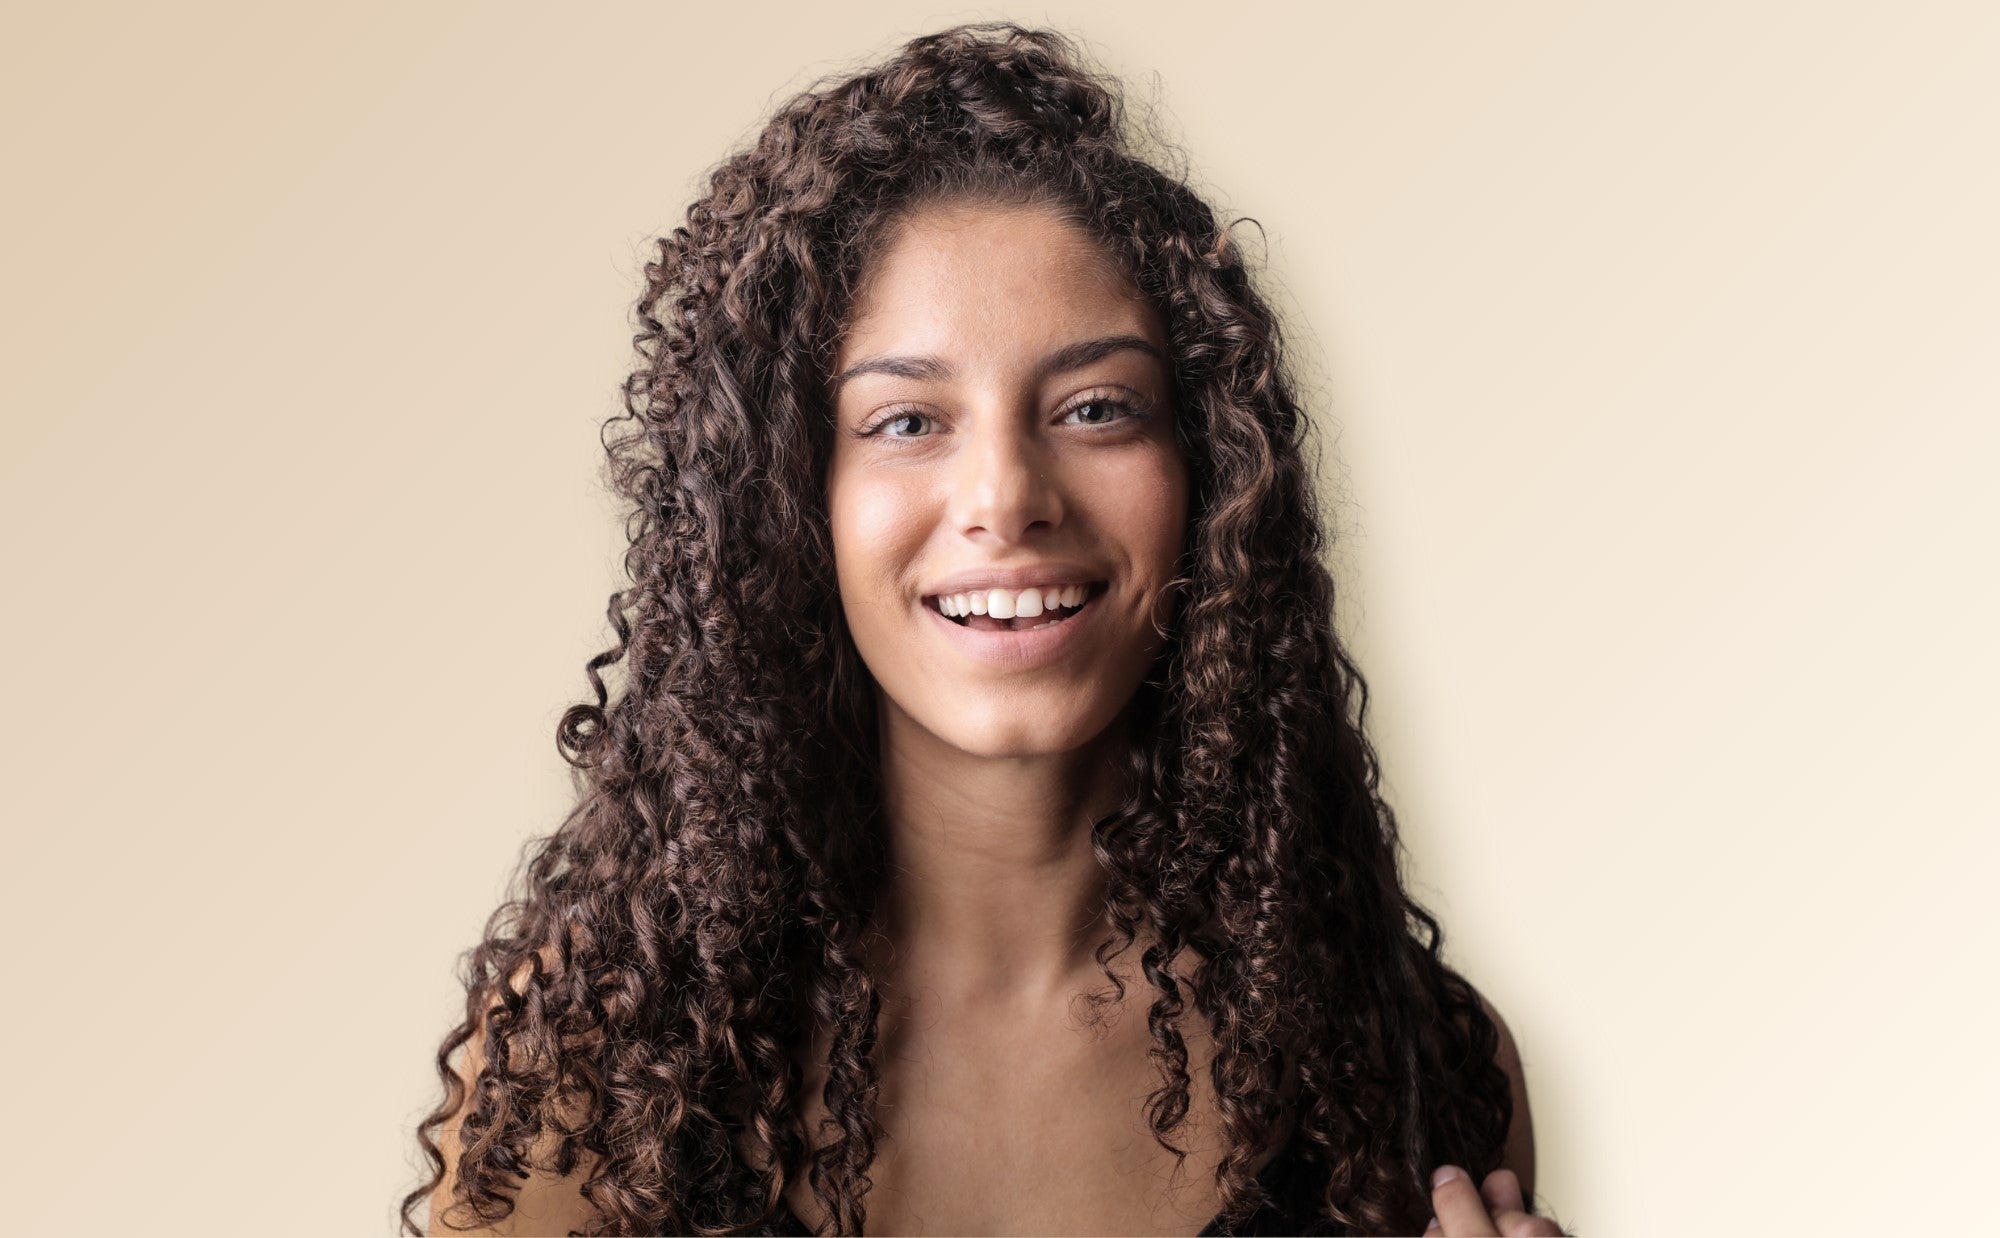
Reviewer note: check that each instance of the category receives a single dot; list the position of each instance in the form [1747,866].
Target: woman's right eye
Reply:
[891,419]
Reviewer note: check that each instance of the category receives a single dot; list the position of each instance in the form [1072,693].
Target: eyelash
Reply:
[1133,412]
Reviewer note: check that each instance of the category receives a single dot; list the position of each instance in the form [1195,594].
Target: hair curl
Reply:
[702,907]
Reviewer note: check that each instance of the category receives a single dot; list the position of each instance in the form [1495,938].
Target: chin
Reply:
[1003,747]
[1019,737]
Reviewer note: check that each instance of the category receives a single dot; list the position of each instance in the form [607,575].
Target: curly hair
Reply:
[643,992]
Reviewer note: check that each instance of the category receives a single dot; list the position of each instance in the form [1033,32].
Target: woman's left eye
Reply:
[1129,409]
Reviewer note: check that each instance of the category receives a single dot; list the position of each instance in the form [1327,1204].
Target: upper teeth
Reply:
[1010,603]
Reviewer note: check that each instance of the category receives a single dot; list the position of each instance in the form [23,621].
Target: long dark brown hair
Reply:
[702,909]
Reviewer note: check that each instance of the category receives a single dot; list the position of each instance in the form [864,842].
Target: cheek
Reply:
[876,526]
[1148,505]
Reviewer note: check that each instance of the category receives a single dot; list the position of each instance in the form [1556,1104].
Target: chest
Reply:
[1033,1131]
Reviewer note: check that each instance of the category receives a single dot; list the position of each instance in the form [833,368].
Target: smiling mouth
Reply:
[1049,616]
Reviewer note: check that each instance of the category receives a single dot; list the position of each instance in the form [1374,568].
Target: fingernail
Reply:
[1433,1225]
[1444,1174]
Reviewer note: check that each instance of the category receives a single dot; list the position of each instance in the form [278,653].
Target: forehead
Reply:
[973,278]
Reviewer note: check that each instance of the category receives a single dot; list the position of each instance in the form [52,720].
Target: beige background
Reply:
[1659,340]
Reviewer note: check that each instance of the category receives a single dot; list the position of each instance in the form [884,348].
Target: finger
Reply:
[1502,1192]
[1458,1204]
[1515,1224]
[1433,1228]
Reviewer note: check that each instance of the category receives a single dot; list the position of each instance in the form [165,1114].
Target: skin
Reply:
[992,776]
[1005,1110]
[1495,1208]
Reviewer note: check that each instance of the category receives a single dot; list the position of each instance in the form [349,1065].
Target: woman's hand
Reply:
[1495,1209]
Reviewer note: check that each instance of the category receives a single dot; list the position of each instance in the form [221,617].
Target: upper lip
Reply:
[1014,578]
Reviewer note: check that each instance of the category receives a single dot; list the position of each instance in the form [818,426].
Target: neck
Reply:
[994,897]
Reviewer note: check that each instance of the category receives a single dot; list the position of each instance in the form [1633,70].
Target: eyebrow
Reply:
[932,369]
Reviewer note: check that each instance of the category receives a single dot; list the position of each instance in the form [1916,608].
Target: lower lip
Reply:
[1020,651]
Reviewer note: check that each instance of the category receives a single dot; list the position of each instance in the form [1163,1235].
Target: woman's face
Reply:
[1002,401]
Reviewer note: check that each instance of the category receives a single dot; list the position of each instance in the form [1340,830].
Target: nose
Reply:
[1003,482]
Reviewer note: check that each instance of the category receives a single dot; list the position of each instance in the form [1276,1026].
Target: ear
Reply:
[1519,1155]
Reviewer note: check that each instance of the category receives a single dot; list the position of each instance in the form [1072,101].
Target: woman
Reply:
[981,694]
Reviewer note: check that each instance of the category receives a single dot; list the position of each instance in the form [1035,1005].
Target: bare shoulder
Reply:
[544,1202]
[1520,1152]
